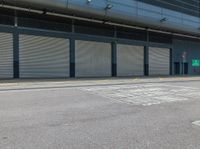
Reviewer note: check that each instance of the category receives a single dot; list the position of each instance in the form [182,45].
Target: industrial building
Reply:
[99,38]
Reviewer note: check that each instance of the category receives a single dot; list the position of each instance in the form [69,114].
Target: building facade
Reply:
[99,38]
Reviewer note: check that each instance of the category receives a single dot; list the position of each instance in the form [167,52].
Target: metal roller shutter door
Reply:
[130,60]
[93,59]
[6,55]
[43,57]
[159,61]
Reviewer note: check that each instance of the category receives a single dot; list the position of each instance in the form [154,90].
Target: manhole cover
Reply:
[197,123]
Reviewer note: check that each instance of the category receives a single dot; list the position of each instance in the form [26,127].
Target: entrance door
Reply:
[185,68]
[177,68]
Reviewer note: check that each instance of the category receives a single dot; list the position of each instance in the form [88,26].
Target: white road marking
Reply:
[33,89]
[197,123]
[145,94]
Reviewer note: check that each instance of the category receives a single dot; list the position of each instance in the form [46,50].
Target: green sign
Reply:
[196,63]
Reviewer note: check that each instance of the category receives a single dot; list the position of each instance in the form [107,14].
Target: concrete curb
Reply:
[69,83]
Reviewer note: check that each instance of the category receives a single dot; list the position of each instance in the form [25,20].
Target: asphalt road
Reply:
[126,116]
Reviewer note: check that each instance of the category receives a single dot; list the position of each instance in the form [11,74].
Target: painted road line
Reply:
[197,123]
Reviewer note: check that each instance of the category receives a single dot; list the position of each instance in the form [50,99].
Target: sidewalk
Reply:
[65,83]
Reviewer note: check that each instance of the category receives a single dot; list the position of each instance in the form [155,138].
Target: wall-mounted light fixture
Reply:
[89,1]
[108,7]
[163,20]
[44,11]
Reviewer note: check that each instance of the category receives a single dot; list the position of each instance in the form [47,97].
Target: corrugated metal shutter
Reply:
[130,60]
[159,61]
[43,57]
[6,55]
[93,59]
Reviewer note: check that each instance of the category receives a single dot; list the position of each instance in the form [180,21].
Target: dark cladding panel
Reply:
[160,37]
[93,28]
[6,16]
[133,34]
[42,21]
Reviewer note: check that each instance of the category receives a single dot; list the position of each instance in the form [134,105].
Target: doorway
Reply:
[185,68]
[177,68]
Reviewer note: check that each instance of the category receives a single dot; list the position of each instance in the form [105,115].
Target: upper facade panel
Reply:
[172,15]
[190,7]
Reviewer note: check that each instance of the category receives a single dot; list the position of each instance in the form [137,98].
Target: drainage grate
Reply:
[197,123]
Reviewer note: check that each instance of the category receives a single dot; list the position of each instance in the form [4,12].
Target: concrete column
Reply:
[72,57]
[114,59]
[171,61]
[146,61]
[16,53]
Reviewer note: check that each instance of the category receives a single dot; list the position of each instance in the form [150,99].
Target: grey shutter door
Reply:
[43,57]
[6,55]
[92,59]
[130,60]
[159,61]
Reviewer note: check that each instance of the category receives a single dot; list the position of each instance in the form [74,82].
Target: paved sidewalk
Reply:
[64,83]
